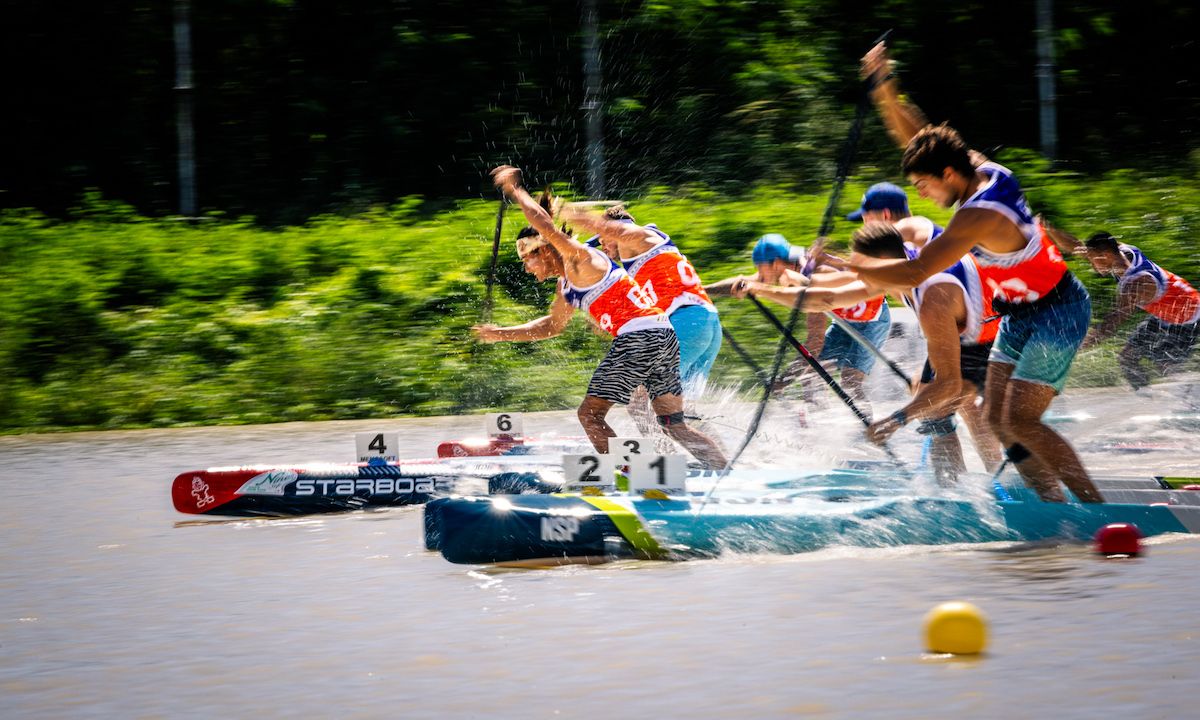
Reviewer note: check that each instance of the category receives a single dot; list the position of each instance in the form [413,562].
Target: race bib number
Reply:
[377,447]
[508,424]
[653,472]
[622,448]
[592,472]
[687,273]
[643,296]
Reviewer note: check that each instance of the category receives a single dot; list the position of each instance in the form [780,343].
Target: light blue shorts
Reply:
[699,331]
[847,352]
[1042,343]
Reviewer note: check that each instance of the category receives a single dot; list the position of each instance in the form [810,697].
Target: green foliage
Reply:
[115,320]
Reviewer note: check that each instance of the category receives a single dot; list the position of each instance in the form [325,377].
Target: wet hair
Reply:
[878,240]
[618,212]
[1103,242]
[935,148]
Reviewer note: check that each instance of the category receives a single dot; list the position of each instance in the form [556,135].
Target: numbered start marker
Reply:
[508,424]
[622,448]
[664,473]
[377,447]
[593,470]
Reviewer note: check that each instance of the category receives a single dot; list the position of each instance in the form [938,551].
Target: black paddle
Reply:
[487,298]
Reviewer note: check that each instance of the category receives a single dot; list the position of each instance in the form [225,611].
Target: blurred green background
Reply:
[345,216]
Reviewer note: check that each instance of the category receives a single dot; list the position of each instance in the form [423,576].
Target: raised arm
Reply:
[902,118]
[545,327]
[508,179]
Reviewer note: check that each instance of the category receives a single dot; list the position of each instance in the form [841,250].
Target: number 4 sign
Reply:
[664,473]
[377,447]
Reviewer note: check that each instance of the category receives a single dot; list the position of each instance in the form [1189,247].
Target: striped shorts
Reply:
[642,357]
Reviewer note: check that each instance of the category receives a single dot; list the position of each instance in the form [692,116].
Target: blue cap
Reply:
[772,247]
[881,196]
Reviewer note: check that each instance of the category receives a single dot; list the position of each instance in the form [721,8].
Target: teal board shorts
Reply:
[1042,342]
[699,330]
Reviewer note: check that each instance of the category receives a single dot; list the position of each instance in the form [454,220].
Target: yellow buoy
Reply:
[959,628]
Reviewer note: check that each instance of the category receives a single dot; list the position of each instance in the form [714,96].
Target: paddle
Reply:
[839,182]
[487,298]
[746,358]
[812,361]
[862,340]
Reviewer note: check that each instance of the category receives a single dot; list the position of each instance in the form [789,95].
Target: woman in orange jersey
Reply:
[645,350]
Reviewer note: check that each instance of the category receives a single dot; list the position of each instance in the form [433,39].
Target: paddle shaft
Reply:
[491,277]
[812,361]
[746,358]
[862,340]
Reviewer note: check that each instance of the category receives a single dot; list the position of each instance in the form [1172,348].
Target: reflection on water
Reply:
[113,605]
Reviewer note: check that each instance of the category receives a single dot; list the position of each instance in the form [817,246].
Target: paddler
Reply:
[1167,337]
[645,350]
[779,263]
[666,275]
[1046,309]
[951,309]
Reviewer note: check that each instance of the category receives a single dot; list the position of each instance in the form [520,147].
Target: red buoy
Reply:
[1119,539]
[1191,487]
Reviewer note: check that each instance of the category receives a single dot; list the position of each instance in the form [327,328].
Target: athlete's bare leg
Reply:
[639,409]
[591,413]
[1015,409]
[1036,475]
[704,448]
[853,381]
[946,458]
[987,445]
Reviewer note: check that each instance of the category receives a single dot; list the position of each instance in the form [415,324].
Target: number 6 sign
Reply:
[509,424]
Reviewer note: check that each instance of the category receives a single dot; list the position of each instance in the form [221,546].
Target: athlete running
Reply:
[1166,338]
[1046,310]
[669,279]
[645,350]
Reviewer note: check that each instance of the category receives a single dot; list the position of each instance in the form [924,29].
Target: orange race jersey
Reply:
[1025,275]
[1177,302]
[666,276]
[616,302]
[865,311]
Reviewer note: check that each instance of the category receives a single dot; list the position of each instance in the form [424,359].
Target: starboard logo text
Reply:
[368,486]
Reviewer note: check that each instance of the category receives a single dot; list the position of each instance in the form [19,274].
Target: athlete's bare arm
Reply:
[547,326]
[1138,292]
[1066,243]
[629,236]
[581,266]
[902,118]
[942,308]
[968,227]
[916,230]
